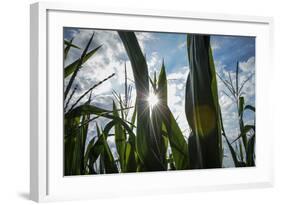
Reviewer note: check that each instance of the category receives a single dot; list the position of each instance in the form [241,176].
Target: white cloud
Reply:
[215,45]
[154,63]
[182,45]
[249,65]
[144,38]
[176,96]
[178,75]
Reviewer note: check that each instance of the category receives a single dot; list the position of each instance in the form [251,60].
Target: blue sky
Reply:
[171,47]
[233,49]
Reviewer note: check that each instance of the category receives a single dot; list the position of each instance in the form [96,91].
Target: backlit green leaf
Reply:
[201,102]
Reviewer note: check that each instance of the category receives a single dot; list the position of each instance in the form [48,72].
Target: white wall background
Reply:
[14,101]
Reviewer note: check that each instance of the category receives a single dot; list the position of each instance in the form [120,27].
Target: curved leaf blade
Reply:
[68,70]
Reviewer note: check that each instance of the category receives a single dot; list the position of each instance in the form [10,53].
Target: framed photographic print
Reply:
[128,102]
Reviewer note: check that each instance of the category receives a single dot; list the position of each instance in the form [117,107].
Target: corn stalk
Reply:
[202,106]
[235,93]
[150,160]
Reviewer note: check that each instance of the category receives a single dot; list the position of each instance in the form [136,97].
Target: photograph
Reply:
[146,101]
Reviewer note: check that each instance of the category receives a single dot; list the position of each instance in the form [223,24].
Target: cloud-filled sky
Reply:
[170,47]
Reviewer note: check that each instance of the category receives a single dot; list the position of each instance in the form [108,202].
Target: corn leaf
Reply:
[68,70]
[245,130]
[70,144]
[90,90]
[201,103]
[120,139]
[147,155]
[249,107]
[95,147]
[77,67]
[109,162]
[84,132]
[158,144]
[88,109]
[130,158]
[130,154]
[233,153]
[68,45]
[178,144]
[94,110]
[251,152]
[241,106]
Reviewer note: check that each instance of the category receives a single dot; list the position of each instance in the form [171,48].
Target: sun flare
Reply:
[152,100]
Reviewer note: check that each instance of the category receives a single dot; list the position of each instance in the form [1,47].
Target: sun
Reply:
[152,100]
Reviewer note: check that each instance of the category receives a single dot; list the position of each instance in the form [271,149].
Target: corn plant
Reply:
[202,106]
[77,118]
[165,126]
[150,143]
[148,157]
[148,138]
[235,93]
[125,143]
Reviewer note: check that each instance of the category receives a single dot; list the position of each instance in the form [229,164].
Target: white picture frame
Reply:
[47,182]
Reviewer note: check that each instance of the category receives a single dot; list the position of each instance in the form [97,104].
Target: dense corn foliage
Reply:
[149,138]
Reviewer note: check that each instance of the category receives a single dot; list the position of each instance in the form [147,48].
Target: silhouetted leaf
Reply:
[68,70]
[201,102]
